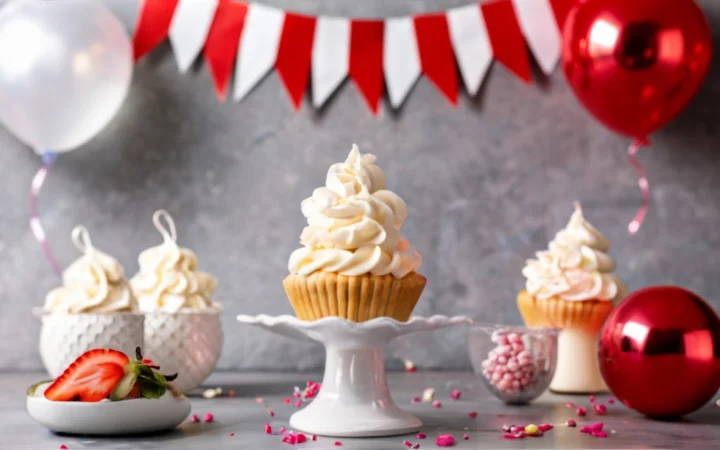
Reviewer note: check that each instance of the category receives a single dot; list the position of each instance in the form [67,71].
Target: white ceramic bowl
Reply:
[186,343]
[64,337]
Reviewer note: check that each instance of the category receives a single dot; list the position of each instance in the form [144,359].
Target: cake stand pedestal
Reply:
[354,400]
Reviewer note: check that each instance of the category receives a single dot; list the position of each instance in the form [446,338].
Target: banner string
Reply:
[637,221]
[48,159]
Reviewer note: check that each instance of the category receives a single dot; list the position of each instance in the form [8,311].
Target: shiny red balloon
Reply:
[635,64]
[660,352]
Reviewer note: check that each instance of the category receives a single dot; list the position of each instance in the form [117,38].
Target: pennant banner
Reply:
[250,39]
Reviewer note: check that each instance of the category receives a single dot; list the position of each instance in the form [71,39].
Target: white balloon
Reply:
[65,70]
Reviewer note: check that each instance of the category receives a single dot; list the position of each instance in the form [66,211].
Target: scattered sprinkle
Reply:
[231,393]
[506,428]
[297,394]
[581,411]
[415,400]
[63,447]
[421,436]
[297,404]
[536,435]
[600,409]
[267,428]
[259,400]
[436,404]
[287,401]
[194,418]
[455,394]
[445,440]
[208,418]
[599,434]
[410,366]
[294,438]
[586,429]
[472,414]
[611,400]
[271,412]
[571,423]
[428,395]
[597,426]
[314,437]
[209,393]
[531,429]
[338,444]
[592,399]
[232,434]
[514,436]
[407,443]
[613,432]
[545,427]
[569,405]
[416,446]
[283,430]
[466,436]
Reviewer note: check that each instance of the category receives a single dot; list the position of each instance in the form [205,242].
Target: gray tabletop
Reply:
[244,418]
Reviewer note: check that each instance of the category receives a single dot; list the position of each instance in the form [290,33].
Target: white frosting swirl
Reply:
[354,224]
[168,279]
[94,283]
[575,267]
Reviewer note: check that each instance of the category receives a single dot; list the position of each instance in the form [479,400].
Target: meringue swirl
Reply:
[94,283]
[168,279]
[575,267]
[354,224]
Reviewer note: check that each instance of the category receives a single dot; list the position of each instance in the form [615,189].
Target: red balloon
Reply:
[635,64]
[660,352]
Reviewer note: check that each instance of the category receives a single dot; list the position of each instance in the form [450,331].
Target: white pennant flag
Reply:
[401,58]
[471,43]
[330,57]
[189,29]
[258,47]
[541,31]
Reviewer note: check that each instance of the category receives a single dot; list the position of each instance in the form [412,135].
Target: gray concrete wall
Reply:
[487,184]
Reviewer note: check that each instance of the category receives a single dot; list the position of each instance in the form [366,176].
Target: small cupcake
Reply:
[571,286]
[182,324]
[354,263]
[94,308]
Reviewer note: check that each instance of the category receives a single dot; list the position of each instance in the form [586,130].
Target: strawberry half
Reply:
[91,378]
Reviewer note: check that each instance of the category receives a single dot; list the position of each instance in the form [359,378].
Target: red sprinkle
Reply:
[569,405]
[338,444]
[571,423]
[298,403]
[416,446]
[288,401]
[600,409]
[283,430]
[472,414]
[231,393]
[466,436]
[268,429]
[592,399]
[297,394]
[271,412]
[545,427]
[208,418]
[415,400]
[314,437]
[63,447]
[194,418]
[597,426]
[445,440]
[581,411]
[232,434]
[586,429]
[599,434]
[421,436]
[611,401]
[294,438]
[455,395]
[407,444]
[437,404]
[301,438]
[411,369]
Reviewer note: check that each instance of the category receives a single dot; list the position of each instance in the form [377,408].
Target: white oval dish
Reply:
[107,418]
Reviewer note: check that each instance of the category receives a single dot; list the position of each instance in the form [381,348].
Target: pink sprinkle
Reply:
[586,429]
[455,395]
[571,423]
[592,399]
[581,411]
[421,436]
[314,437]
[415,400]
[268,429]
[599,434]
[288,401]
[598,426]
[232,434]
[407,444]
[416,446]
[445,440]
[258,400]
[569,405]
[298,403]
[437,404]
[472,414]
[208,418]
[466,436]
[338,444]
[297,394]
[301,438]
[545,427]
[194,418]
[63,447]
[283,430]
[600,409]
[611,401]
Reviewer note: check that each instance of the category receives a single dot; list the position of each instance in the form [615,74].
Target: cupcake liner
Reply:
[355,298]
[587,315]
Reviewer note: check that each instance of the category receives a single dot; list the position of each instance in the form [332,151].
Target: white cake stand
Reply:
[354,400]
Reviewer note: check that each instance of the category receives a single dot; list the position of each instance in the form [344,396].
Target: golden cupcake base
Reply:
[355,298]
[588,315]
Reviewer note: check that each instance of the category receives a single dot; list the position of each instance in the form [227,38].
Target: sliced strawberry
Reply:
[91,378]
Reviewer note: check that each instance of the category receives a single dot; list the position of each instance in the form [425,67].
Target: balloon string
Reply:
[637,222]
[48,159]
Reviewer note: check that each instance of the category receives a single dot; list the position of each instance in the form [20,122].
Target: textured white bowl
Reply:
[138,415]
[64,337]
[188,343]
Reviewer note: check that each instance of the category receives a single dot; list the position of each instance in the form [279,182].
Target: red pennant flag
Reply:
[562,8]
[293,59]
[366,59]
[153,25]
[506,38]
[437,59]
[222,43]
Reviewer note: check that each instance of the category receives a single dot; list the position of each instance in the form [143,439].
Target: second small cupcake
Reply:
[182,324]
[354,263]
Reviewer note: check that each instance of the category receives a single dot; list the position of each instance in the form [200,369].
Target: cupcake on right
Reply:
[572,286]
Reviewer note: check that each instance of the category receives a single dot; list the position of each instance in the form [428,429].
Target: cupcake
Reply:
[183,333]
[571,286]
[354,263]
[94,308]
